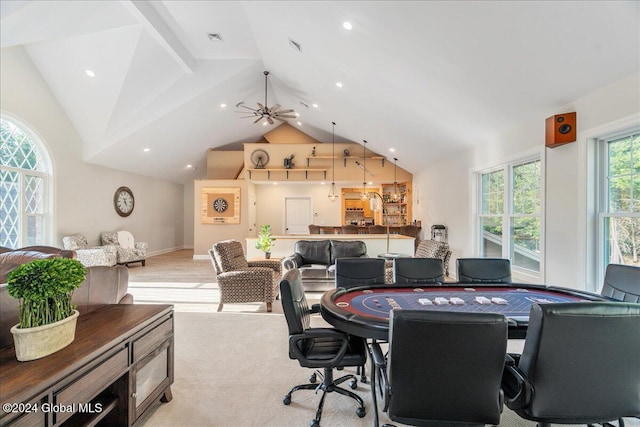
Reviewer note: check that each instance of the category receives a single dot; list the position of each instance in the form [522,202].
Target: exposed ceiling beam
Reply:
[161,32]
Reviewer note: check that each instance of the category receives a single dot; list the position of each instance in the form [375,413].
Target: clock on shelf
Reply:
[123,201]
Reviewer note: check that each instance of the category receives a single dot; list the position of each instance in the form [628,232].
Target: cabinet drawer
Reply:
[91,384]
[152,339]
[32,419]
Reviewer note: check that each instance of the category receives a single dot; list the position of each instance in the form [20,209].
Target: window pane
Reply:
[619,156]
[525,243]
[491,237]
[623,238]
[16,149]
[9,209]
[620,194]
[526,188]
[493,192]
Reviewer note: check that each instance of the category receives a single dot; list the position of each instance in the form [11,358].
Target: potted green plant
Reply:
[265,241]
[47,317]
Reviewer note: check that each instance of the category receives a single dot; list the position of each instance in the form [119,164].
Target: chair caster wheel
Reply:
[361,412]
[287,399]
[353,384]
[313,378]
[314,423]
[363,380]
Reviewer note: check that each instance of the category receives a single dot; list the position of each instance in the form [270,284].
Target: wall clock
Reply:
[123,201]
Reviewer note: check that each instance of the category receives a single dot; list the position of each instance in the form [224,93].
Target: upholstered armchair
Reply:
[87,255]
[243,281]
[127,249]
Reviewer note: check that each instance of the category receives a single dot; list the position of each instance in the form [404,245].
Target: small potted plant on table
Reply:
[47,317]
[265,241]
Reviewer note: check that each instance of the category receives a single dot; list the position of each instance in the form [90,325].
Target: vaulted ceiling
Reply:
[429,79]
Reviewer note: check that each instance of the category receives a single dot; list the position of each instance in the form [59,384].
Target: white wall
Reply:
[445,192]
[270,204]
[83,192]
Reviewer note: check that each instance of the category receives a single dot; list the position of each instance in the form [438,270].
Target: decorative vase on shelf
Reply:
[36,343]
[267,255]
[47,317]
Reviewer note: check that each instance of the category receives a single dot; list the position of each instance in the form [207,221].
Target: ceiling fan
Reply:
[264,112]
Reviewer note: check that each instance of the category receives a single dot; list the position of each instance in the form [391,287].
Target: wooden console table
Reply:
[120,362]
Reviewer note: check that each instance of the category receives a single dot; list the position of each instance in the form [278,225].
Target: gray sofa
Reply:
[316,260]
[103,285]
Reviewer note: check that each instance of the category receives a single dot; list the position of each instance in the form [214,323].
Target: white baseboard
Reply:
[167,250]
[201,257]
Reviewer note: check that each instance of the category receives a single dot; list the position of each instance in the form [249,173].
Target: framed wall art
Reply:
[220,205]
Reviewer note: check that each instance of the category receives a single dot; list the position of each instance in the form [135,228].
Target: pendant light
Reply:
[333,195]
[364,169]
[395,196]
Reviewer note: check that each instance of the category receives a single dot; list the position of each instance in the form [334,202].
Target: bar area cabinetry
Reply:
[396,210]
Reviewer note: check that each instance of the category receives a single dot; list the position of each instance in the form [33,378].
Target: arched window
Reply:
[25,171]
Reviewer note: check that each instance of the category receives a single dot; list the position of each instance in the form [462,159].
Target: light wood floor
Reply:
[177,266]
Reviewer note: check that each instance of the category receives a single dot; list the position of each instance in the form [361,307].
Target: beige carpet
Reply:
[232,370]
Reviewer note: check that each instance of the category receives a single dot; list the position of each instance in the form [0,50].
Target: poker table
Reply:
[364,311]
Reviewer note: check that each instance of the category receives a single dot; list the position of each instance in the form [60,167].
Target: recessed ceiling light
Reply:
[314,105]
[275,183]
[297,114]
[146,150]
[264,123]
[393,150]
[370,183]
[299,123]
[339,84]
[223,105]
[322,183]
[89,73]
[189,166]
[347,25]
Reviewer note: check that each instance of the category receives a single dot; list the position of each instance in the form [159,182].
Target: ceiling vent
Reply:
[214,36]
[295,45]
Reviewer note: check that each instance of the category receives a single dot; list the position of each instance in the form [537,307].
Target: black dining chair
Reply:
[443,368]
[418,271]
[483,270]
[325,348]
[622,282]
[580,364]
[352,272]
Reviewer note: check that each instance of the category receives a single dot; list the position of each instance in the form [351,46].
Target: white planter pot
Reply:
[41,341]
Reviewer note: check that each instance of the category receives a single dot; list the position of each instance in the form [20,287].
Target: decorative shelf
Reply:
[345,158]
[306,171]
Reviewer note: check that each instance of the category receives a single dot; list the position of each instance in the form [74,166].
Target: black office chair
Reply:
[483,270]
[580,364]
[443,368]
[352,272]
[325,348]
[622,282]
[418,271]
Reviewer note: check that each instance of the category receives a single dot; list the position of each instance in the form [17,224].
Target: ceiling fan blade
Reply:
[285,116]
[275,107]
[248,108]
[286,111]
[261,106]
[247,117]
[278,118]
[258,119]
[269,120]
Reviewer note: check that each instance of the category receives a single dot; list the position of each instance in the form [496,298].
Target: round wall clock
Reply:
[123,201]
[220,205]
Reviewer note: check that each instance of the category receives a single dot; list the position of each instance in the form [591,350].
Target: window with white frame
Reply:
[24,185]
[619,199]
[509,220]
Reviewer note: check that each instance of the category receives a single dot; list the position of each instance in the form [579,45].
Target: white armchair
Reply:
[90,256]
[127,249]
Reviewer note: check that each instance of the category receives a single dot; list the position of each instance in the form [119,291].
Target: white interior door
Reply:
[297,215]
